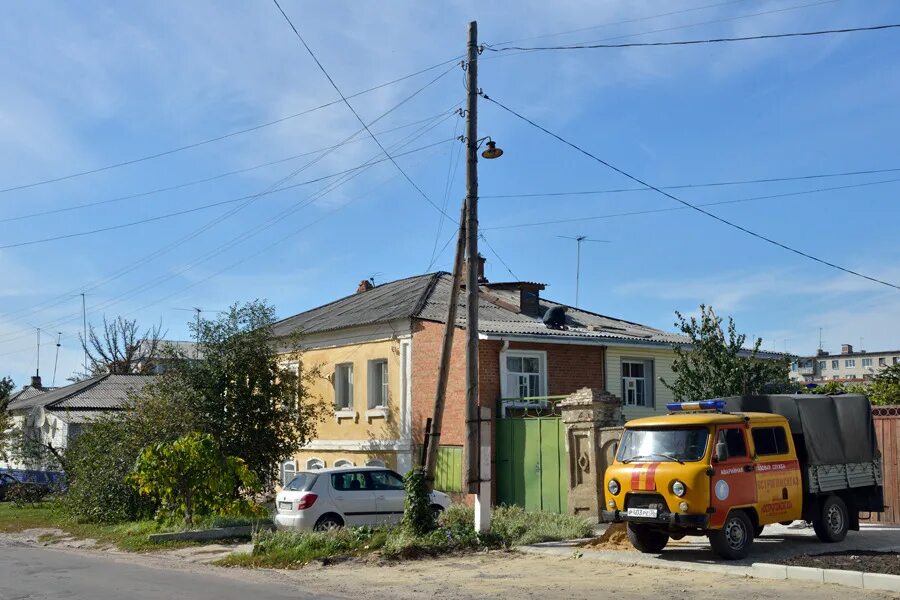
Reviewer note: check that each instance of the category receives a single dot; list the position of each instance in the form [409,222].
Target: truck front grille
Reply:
[646,501]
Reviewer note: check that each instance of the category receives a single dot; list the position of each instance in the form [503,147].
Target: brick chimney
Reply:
[36,382]
[465,271]
[364,286]
[846,348]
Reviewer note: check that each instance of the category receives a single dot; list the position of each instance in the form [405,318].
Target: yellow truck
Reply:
[726,468]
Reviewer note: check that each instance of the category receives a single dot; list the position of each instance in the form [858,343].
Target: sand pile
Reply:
[614,538]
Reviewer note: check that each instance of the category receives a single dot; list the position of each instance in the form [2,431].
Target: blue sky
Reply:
[99,83]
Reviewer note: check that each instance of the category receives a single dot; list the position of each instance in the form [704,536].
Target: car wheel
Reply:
[734,539]
[833,521]
[647,539]
[329,522]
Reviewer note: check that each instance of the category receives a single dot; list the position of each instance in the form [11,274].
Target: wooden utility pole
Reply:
[477,480]
[433,436]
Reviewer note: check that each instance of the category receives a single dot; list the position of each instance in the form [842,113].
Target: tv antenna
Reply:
[578,239]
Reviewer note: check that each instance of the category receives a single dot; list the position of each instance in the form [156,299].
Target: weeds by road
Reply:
[510,526]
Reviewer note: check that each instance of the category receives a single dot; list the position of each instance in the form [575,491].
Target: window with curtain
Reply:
[637,382]
[378,383]
[343,386]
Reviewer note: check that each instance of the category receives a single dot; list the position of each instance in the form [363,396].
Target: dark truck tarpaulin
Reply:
[834,430]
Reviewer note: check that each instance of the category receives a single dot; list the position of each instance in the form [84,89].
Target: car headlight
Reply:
[678,488]
[613,487]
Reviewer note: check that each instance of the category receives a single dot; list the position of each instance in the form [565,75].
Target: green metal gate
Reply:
[531,463]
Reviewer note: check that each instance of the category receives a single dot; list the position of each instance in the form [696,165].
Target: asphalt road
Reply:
[38,573]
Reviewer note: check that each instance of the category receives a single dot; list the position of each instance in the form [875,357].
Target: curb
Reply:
[867,581]
[220,533]
[857,579]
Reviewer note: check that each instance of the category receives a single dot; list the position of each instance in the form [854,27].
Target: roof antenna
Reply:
[373,276]
[578,239]
[56,360]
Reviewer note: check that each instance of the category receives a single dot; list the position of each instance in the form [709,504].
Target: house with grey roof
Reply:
[379,349]
[56,416]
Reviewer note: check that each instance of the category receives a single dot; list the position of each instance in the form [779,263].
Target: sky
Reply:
[96,84]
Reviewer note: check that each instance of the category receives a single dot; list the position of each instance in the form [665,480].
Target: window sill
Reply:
[380,412]
[346,413]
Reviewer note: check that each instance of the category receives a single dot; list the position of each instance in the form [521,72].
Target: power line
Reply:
[700,41]
[356,114]
[206,179]
[709,184]
[688,204]
[206,206]
[171,246]
[223,136]
[677,208]
[623,22]
[494,252]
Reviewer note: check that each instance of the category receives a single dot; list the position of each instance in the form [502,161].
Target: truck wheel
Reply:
[833,521]
[733,541]
[646,539]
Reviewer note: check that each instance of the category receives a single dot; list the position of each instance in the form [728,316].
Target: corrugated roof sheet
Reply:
[386,302]
[26,393]
[427,296]
[104,392]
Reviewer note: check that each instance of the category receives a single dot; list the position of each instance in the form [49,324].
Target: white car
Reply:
[345,496]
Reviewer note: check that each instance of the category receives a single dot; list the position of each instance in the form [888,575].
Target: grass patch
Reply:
[510,526]
[131,536]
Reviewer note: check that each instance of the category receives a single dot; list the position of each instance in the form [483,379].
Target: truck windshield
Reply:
[684,444]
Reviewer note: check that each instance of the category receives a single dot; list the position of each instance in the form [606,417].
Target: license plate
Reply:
[285,505]
[642,512]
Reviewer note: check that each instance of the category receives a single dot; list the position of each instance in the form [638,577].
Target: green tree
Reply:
[418,518]
[715,363]
[192,476]
[241,391]
[98,461]
[6,388]
[885,386]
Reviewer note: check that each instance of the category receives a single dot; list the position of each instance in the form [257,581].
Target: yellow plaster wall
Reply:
[360,428]
[359,459]
[662,367]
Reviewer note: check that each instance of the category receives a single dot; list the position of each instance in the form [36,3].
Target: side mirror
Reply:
[721,452]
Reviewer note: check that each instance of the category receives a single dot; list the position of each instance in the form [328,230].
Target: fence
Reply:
[532,463]
[887,430]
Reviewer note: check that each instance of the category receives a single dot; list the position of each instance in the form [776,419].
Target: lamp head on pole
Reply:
[492,151]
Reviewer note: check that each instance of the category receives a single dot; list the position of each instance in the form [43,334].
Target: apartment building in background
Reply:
[851,365]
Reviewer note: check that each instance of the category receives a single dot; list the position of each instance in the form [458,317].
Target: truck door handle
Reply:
[748,468]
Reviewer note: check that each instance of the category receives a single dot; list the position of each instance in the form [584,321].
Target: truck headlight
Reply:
[683,507]
[613,487]
[678,488]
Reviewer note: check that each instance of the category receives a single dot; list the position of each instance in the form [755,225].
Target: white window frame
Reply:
[338,388]
[343,462]
[382,390]
[284,472]
[541,355]
[849,363]
[314,464]
[509,401]
[867,362]
[648,379]
[823,365]
[376,462]
[835,364]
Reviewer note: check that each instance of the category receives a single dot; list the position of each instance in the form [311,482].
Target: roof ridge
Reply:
[96,380]
[596,314]
[348,296]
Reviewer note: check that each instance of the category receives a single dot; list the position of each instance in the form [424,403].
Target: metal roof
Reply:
[27,393]
[104,392]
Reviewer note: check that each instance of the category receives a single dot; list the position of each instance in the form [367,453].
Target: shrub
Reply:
[192,475]
[417,516]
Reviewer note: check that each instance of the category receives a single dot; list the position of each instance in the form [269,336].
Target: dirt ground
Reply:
[487,575]
[859,560]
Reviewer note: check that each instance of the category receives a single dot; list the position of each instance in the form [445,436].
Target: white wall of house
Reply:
[655,362]
[42,425]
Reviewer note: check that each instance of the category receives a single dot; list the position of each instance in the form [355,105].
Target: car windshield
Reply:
[675,444]
[302,482]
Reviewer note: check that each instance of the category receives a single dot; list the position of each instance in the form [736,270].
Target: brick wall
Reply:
[569,367]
